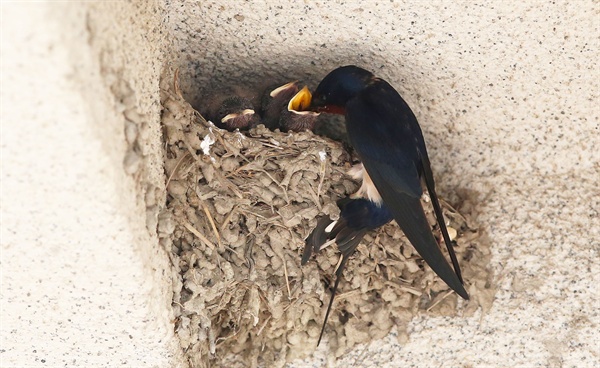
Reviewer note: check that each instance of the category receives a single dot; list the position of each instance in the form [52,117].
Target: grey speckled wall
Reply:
[503,78]
[506,93]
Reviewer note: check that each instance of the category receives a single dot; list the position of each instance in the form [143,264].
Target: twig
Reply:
[287,282]
[341,296]
[314,195]
[339,263]
[212,223]
[227,184]
[287,199]
[271,145]
[440,300]
[221,340]
[191,229]
[260,330]
[322,169]
[176,86]
[405,288]
[176,167]
[257,215]
[227,218]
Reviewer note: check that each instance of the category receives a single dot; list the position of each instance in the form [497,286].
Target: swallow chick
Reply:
[275,101]
[386,136]
[358,215]
[297,117]
[236,113]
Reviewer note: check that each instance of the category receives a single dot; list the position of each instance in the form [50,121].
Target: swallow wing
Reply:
[389,142]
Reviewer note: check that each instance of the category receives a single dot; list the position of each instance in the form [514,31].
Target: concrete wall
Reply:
[506,93]
[84,279]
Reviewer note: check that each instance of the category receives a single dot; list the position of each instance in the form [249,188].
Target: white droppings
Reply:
[323,156]
[207,142]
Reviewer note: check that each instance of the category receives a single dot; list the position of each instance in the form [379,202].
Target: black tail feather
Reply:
[316,239]
[333,291]
[428,175]
[347,240]
[347,249]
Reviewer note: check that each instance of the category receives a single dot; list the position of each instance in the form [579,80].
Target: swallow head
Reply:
[236,113]
[338,87]
[297,117]
[275,100]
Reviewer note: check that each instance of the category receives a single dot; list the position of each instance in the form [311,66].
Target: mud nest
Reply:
[239,208]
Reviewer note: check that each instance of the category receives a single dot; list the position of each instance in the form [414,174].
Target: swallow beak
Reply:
[284,90]
[301,101]
[244,114]
[318,104]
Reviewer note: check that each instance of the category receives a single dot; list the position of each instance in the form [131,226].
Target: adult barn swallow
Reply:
[297,117]
[388,140]
[275,101]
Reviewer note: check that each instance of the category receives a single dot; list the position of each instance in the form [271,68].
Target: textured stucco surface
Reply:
[506,93]
[84,282]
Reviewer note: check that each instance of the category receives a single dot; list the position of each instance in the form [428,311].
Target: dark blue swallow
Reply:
[388,140]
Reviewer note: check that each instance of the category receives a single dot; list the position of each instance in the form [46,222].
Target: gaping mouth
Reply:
[301,101]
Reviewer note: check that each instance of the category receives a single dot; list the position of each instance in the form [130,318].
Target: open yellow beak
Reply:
[301,100]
